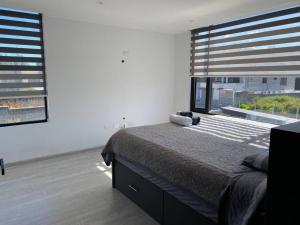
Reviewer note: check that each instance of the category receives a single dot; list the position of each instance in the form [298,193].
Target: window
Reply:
[220,80]
[283,81]
[23,96]
[249,61]
[234,80]
[264,80]
[250,94]
[297,84]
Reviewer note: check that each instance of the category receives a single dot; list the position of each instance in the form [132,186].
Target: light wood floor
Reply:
[67,190]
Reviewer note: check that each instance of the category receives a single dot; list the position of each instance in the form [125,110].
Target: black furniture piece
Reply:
[2,167]
[160,204]
[283,202]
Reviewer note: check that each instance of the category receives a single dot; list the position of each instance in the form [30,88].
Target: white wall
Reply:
[90,90]
[182,71]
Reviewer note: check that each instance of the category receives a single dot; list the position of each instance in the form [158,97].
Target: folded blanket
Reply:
[181,120]
[195,119]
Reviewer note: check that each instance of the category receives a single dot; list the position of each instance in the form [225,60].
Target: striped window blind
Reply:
[266,46]
[22,65]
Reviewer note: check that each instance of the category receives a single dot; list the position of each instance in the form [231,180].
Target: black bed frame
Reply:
[167,210]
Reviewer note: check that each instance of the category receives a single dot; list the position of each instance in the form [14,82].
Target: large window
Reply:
[280,96]
[248,66]
[23,96]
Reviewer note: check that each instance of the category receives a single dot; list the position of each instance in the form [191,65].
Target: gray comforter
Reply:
[204,163]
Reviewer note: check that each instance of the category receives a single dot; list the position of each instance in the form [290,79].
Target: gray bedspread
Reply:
[205,163]
[243,197]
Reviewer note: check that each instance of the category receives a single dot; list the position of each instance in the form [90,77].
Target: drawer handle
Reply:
[133,188]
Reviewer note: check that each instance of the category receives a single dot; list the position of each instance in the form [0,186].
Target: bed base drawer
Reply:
[145,194]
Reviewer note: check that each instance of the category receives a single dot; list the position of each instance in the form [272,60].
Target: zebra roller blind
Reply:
[264,45]
[22,66]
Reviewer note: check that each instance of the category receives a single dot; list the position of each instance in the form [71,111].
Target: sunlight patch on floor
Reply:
[108,174]
[105,169]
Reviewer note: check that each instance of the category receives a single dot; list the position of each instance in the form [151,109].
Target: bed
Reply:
[192,175]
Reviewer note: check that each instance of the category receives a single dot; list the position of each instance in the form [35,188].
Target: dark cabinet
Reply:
[283,206]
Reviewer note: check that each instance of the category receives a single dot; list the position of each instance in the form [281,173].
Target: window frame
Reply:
[45,81]
[208,93]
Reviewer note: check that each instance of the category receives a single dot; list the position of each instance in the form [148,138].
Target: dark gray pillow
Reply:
[258,161]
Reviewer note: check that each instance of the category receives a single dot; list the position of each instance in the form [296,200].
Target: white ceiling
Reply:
[167,16]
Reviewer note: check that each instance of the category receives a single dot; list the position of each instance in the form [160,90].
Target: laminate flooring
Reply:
[72,189]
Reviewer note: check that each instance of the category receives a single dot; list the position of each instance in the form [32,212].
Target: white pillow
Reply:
[181,120]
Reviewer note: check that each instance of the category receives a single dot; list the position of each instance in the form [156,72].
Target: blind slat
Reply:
[21,76]
[251,36]
[19,41]
[21,85]
[253,44]
[23,15]
[21,68]
[19,24]
[246,61]
[20,50]
[20,33]
[249,53]
[250,69]
[20,59]
[14,94]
